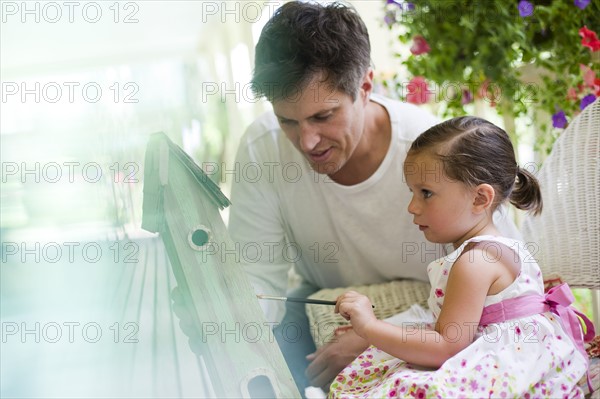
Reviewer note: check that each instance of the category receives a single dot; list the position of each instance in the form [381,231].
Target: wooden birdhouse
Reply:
[237,344]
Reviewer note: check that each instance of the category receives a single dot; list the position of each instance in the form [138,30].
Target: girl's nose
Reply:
[413,207]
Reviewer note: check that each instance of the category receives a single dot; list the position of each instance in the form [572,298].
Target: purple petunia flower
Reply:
[559,120]
[389,19]
[581,4]
[401,4]
[587,100]
[467,97]
[525,8]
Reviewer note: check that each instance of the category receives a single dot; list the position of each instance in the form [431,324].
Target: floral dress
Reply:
[529,357]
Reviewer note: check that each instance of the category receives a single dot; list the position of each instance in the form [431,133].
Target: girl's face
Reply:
[442,208]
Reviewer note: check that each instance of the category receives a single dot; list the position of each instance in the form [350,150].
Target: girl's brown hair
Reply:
[475,151]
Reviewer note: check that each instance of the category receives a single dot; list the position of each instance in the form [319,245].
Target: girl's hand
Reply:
[357,309]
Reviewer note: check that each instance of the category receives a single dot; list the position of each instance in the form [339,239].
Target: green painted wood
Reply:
[238,345]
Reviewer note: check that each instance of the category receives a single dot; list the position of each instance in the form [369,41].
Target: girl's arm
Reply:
[469,282]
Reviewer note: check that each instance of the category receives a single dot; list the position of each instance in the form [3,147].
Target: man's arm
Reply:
[255,226]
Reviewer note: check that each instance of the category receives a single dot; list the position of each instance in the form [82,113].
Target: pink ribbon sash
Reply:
[558,301]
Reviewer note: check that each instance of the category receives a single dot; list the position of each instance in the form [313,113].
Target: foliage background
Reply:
[523,65]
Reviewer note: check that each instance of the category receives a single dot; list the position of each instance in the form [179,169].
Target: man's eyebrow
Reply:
[282,117]
[316,114]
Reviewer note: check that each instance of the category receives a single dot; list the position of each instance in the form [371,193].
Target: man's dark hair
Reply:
[302,40]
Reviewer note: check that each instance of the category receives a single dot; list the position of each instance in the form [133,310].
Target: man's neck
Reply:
[372,149]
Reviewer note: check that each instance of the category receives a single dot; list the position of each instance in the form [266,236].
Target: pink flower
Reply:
[421,393]
[418,92]
[572,94]
[439,293]
[588,75]
[590,79]
[420,45]
[589,39]
[490,92]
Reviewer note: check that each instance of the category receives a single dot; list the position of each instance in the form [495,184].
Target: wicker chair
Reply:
[564,239]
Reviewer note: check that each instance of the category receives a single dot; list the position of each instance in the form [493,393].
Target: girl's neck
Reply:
[483,228]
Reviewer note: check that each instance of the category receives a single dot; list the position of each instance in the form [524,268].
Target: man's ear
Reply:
[483,200]
[366,87]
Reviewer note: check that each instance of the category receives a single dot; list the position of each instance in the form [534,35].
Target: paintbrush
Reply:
[300,300]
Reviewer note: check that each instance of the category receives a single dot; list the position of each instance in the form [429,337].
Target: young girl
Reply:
[494,332]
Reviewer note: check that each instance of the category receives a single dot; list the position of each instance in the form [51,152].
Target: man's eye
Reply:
[426,193]
[322,118]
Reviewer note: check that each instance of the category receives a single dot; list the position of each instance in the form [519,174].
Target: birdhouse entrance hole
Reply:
[199,237]
[260,387]
[259,384]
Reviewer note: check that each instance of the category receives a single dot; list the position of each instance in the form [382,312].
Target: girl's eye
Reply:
[426,193]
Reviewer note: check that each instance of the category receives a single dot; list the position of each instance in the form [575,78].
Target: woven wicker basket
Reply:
[389,299]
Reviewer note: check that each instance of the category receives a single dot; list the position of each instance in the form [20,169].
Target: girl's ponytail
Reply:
[526,194]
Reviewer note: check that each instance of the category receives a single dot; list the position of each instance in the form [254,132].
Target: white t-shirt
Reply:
[284,214]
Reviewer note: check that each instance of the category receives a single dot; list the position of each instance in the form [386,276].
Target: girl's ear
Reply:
[484,198]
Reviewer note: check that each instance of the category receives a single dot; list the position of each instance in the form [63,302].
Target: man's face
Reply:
[324,124]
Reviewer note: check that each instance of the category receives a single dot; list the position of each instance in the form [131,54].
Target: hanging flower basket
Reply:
[461,51]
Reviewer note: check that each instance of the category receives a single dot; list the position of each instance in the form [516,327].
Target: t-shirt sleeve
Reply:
[255,226]
[413,120]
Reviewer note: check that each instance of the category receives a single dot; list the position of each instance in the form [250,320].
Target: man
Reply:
[330,200]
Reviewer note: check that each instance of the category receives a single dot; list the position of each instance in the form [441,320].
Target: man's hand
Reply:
[331,358]
[186,320]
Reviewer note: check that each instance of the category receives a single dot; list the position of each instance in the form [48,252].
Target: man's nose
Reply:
[309,137]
